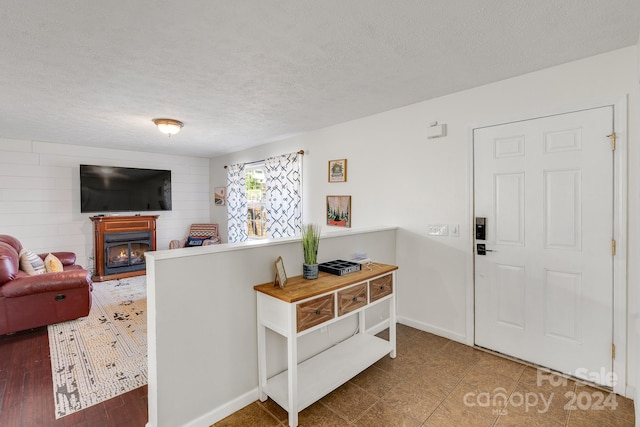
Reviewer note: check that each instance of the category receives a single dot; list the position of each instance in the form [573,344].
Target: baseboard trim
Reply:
[225,410]
[251,396]
[630,392]
[454,336]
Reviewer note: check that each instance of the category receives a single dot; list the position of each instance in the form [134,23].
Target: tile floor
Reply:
[438,382]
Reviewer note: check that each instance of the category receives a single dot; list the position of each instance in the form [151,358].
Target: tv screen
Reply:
[117,189]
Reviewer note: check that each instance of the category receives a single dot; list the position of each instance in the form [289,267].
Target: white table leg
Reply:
[262,361]
[392,319]
[262,352]
[292,361]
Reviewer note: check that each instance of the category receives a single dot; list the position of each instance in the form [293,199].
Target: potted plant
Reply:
[310,242]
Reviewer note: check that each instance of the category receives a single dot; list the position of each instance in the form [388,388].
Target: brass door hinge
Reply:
[613,247]
[613,141]
[613,351]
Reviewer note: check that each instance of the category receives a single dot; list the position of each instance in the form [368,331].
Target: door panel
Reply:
[509,209]
[543,291]
[510,284]
[562,296]
[563,209]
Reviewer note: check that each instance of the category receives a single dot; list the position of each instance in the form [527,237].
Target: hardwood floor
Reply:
[26,390]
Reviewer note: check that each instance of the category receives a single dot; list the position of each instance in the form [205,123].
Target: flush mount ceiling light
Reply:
[168,126]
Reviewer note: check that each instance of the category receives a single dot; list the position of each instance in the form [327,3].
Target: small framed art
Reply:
[338,170]
[220,196]
[339,211]
[281,276]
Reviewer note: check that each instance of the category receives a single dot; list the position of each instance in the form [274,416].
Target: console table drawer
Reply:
[314,312]
[380,287]
[352,299]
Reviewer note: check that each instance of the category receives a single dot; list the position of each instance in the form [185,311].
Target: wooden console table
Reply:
[304,306]
[118,224]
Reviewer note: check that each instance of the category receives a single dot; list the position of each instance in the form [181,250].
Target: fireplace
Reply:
[124,252]
[120,243]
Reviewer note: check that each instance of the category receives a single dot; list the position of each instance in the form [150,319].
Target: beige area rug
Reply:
[104,354]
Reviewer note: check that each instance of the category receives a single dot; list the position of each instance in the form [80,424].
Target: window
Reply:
[255,181]
[264,199]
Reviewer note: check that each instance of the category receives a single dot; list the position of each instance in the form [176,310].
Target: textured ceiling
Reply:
[244,72]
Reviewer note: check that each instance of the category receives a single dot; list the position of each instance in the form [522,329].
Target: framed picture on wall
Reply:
[338,170]
[220,196]
[339,211]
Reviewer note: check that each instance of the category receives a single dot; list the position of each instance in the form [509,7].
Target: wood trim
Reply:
[298,288]
[118,224]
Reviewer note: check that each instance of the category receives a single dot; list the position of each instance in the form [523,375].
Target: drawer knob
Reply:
[355,299]
[318,312]
[382,287]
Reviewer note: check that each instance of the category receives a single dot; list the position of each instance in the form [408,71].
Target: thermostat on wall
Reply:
[436,131]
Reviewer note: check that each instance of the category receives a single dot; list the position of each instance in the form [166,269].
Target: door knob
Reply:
[482,249]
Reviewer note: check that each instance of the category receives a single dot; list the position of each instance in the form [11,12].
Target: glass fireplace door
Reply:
[126,254]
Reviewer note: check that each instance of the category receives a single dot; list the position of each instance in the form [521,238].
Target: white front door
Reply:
[544,293]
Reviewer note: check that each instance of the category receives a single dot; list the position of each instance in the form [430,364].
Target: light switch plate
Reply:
[437,230]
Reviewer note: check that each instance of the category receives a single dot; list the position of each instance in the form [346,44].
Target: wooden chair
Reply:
[199,235]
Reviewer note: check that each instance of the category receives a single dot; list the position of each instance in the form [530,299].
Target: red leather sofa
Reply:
[31,301]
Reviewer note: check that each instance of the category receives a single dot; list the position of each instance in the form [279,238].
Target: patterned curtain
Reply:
[284,195]
[236,204]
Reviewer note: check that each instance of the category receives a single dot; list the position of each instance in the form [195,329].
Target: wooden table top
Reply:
[298,288]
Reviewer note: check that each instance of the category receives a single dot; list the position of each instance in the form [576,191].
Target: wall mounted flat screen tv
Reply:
[116,189]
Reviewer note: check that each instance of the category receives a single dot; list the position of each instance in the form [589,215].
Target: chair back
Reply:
[203,230]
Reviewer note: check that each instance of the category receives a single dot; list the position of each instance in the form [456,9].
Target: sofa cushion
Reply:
[195,241]
[66,258]
[31,263]
[52,264]
[51,282]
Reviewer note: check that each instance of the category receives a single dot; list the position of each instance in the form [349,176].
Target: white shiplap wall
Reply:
[40,194]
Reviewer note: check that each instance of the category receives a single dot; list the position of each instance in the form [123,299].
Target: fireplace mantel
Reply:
[118,224]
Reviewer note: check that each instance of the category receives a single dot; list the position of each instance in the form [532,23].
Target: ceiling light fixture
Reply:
[168,126]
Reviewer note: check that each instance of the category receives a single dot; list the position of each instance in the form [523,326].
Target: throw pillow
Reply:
[31,263]
[52,264]
[195,241]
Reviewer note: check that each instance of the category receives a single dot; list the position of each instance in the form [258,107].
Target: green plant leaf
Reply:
[310,243]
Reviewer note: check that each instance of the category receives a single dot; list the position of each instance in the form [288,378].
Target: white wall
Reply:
[399,177]
[40,194]
[635,194]
[202,327]
[638,58]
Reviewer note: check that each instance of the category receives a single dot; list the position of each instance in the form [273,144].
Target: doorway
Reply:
[544,270]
